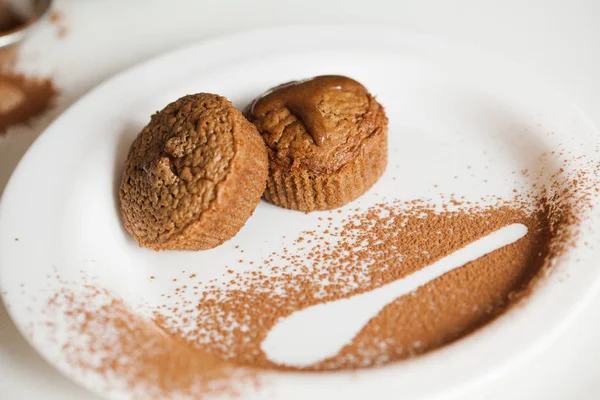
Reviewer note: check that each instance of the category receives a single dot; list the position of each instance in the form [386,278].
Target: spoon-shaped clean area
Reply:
[321,331]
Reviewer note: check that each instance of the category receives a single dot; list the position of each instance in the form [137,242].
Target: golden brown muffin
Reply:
[193,176]
[326,138]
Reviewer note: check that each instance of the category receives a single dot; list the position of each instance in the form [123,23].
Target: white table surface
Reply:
[559,39]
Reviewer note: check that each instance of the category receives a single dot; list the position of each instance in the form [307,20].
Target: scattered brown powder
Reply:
[458,302]
[58,20]
[372,248]
[131,352]
[8,57]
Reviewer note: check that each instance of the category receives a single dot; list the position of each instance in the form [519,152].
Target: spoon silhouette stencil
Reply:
[316,333]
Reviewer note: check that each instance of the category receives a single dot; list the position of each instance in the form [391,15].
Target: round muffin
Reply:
[326,138]
[193,176]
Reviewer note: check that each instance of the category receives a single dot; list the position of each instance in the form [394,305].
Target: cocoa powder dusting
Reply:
[58,20]
[8,57]
[460,301]
[131,352]
[370,249]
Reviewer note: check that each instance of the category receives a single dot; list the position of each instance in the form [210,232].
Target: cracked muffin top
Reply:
[317,124]
[180,163]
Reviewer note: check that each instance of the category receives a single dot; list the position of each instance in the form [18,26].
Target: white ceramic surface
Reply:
[452,112]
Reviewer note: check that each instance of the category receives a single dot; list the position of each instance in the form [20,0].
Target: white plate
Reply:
[447,104]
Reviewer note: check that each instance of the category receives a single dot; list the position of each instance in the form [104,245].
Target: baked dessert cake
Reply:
[193,176]
[326,138]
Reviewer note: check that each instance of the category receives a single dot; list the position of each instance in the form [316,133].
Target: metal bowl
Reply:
[31,11]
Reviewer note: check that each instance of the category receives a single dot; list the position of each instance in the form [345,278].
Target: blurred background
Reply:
[80,43]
